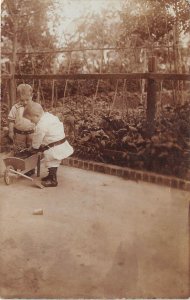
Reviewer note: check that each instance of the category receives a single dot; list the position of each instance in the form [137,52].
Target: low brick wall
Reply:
[128,173]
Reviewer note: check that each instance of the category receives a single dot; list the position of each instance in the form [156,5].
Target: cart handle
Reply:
[38,184]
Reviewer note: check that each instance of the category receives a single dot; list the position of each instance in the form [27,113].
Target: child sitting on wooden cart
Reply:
[49,131]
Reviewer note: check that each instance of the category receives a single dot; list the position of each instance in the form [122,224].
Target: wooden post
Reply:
[11,85]
[56,96]
[13,63]
[52,93]
[6,95]
[38,97]
[14,22]
[38,165]
[151,98]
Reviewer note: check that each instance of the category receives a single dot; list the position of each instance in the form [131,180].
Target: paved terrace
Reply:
[100,236]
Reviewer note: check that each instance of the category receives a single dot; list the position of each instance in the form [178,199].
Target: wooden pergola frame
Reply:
[151,77]
[103,76]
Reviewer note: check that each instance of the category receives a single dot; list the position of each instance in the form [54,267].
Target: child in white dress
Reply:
[49,131]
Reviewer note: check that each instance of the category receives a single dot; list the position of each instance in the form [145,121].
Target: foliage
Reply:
[139,24]
[97,131]
[25,28]
[121,139]
[151,20]
[151,24]
[119,136]
[141,28]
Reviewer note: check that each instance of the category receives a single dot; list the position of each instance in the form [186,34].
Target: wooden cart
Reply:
[16,167]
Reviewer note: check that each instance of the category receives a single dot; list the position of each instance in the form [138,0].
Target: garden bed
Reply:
[119,136]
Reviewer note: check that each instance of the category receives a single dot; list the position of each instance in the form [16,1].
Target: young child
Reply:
[49,131]
[21,129]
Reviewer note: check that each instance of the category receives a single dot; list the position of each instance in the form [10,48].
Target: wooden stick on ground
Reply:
[37,183]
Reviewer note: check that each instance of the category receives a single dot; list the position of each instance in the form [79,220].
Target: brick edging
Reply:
[128,173]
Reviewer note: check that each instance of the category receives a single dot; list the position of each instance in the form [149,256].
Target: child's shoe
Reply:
[51,172]
[51,182]
[51,179]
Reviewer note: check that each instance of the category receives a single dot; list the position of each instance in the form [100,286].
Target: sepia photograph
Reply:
[95,149]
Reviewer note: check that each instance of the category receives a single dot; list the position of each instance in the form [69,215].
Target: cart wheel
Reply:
[7,175]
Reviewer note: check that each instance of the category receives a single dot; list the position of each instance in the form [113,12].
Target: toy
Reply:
[20,164]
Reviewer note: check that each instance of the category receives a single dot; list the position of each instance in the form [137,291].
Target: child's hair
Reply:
[33,109]
[23,88]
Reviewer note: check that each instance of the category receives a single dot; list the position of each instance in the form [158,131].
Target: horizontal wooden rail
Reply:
[85,76]
[129,76]
[132,76]
[66,50]
[6,76]
[168,76]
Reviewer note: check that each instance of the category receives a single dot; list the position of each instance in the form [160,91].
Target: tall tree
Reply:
[25,28]
[153,22]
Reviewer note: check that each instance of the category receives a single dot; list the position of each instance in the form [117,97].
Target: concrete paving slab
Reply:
[99,237]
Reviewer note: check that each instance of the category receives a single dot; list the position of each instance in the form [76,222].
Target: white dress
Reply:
[49,129]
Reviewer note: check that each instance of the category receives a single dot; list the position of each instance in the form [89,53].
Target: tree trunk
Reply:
[13,66]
